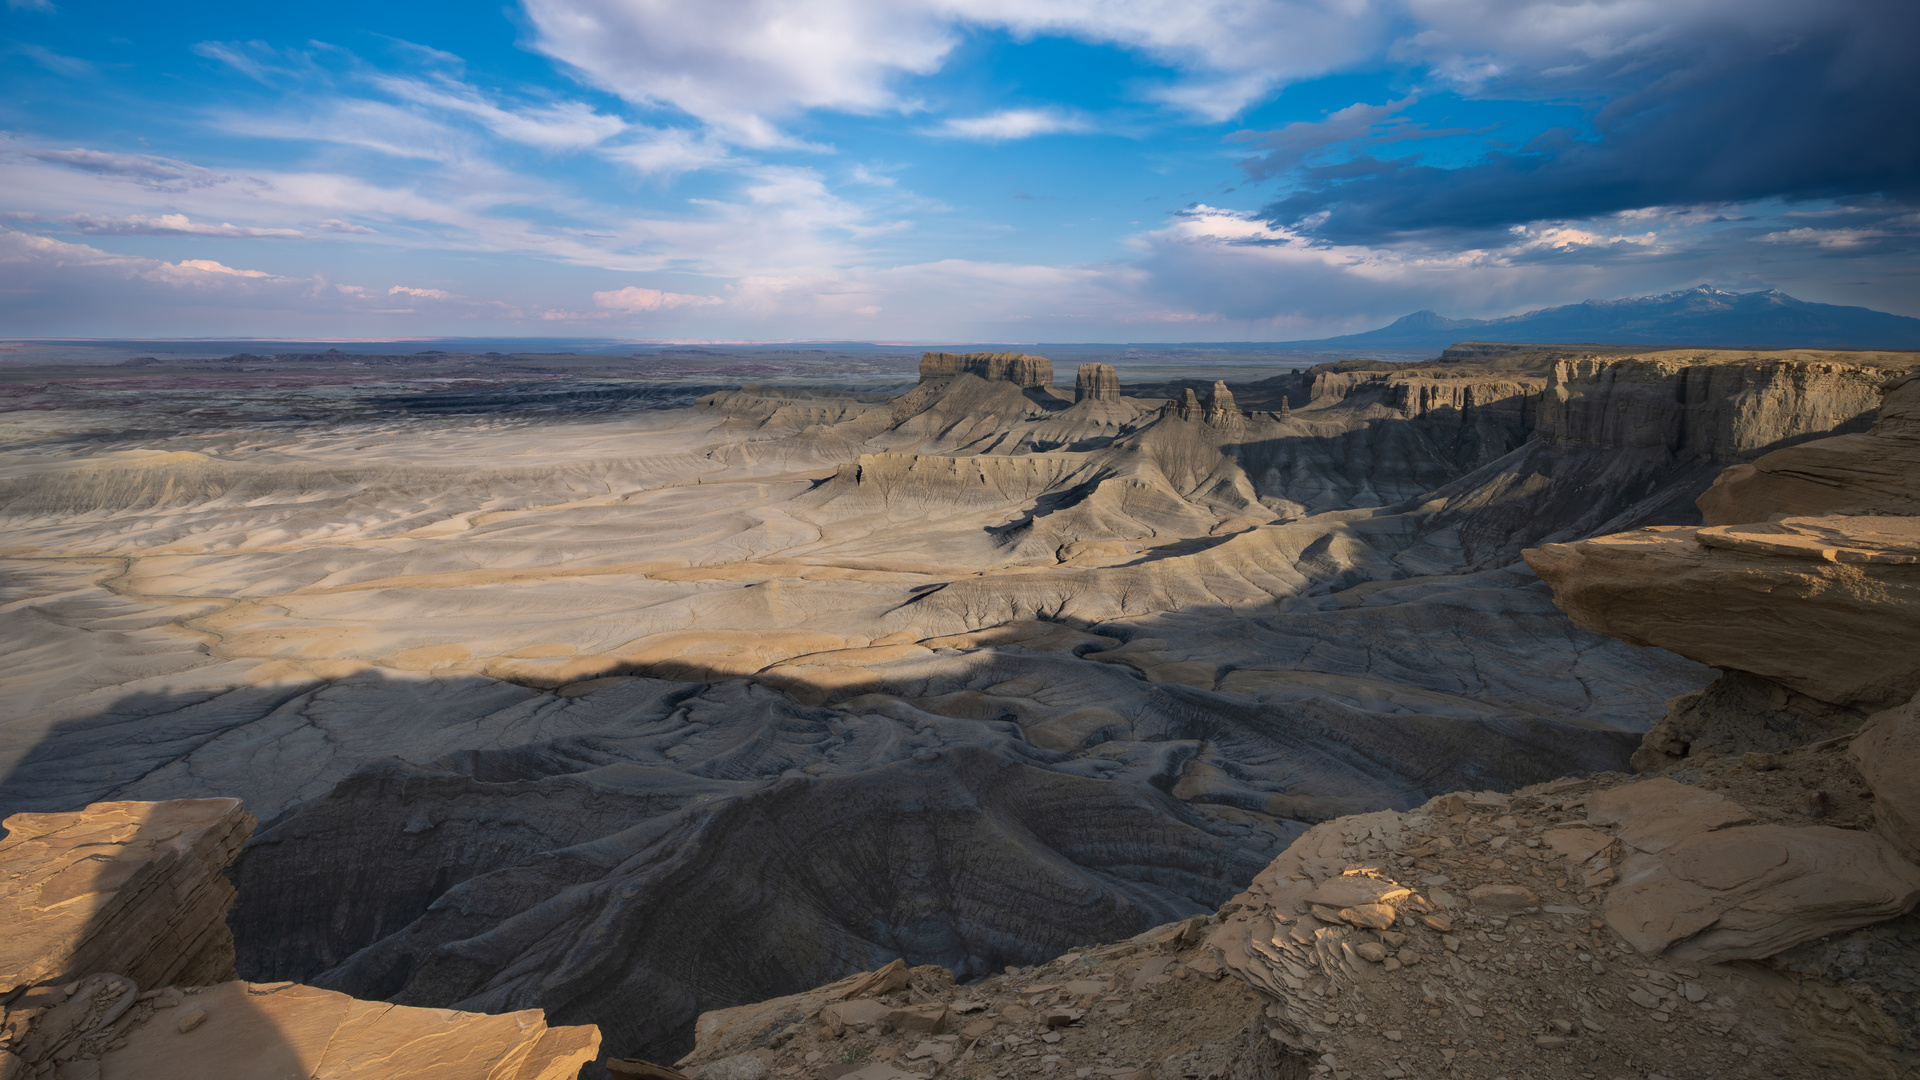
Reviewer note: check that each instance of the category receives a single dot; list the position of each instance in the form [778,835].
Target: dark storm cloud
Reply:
[1826,112]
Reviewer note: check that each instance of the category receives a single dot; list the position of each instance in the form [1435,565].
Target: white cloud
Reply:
[29,262]
[195,271]
[1825,238]
[743,65]
[1011,124]
[169,225]
[255,59]
[565,125]
[335,225]
[161,174]
[372,125]
[59,63]
[666,151]
[424,294]
[634,299]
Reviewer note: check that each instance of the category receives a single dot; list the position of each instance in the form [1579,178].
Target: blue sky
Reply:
[921,170]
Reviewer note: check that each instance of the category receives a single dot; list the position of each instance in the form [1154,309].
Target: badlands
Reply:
[635,715]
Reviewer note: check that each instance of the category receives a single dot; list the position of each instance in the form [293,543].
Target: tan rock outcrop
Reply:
[1887,752]
[101,904]
[1696,885]
[1096,382]
[1876,472]
[283,1030]
[1017,368]
[1829,607]
[128,887]
[1718,405]
[1216,407]
[1473,952]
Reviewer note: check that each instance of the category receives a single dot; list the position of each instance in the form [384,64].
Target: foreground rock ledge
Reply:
[1825,606]
[114,924]
[1580,928]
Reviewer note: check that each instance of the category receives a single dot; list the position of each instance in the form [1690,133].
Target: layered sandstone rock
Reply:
[1823,603]
[1802,588]
[116,951]
[1017,368]
[1887,752]
[1718,405]
[1700,882]
[1216,408]
[129,887]
[1877,472]
[1096,382]
[1823,606]
[248,1031]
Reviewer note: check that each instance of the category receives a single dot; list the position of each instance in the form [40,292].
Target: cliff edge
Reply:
[116,962]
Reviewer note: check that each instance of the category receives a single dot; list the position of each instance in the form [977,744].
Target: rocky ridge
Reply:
[1483,934]
[117,962]
[1734,912]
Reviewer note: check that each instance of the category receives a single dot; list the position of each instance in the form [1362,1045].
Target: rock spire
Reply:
[1096,382]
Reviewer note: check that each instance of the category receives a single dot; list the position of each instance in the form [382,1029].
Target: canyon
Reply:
[633,715]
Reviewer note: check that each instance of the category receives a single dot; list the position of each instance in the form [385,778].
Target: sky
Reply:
[940,170]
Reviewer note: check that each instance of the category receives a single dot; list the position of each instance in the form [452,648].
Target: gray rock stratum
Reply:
[629,717]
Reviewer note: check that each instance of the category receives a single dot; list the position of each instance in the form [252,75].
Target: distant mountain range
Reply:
[1702,316]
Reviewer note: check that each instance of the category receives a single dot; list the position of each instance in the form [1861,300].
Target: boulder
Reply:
[1356,890]
[1503,899]
[1369,916]
[1825,607]
[1700,883]
[1653,815]
[857,1013]
[931,1019]
[1887,751]
[1747,893]
[1576,844]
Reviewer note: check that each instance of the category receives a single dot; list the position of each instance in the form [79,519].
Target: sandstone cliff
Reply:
[116,954]
[1873,473]
[1017,368]
[1752,595]
[1096,382]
